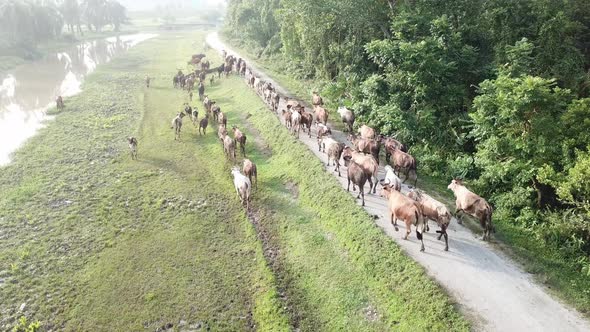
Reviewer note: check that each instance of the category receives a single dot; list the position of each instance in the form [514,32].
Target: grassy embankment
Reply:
[550,266]
[94,241]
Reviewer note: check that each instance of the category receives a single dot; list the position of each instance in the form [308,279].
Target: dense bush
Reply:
[490,91]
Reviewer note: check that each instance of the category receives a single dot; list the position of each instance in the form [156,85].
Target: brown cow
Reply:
[472,204]
[335,149]
[323,131]
[229,147]
[367,162]
[306,120]
[406,209]
[287,116]
[250,171]
[221,132]
[221,117]
[367,132]
[358,176]
[347,117]
[321,115]
[59,103]
[316,100]
[403,160]
[389,144]
[435,210]
[203,124]
[132,147]
[369,146]
[240,138]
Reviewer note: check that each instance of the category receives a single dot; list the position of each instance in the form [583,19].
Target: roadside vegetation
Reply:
[500,102]
[92,240]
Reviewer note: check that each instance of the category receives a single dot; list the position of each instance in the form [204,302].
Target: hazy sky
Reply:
[151,4]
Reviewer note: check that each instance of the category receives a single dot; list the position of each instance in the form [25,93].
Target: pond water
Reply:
[29,90]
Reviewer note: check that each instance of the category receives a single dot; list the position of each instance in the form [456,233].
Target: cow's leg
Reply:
[362,190]
[408,229]
[459,216]
[375,183]
[394,222]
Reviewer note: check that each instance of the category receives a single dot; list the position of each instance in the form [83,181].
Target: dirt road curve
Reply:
[492,291]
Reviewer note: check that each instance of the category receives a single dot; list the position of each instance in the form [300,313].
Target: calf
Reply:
[195,116]
[474,205]
[215,110]
[287,117]
[221,132]
[323,131]
[243,186]
[406,209]
[295,123]
[132,147]
[177,125]
[221,117]
[435,210]
[201,90]
[240,138]
[306,120]
[229,147]
[316,100]
[250,171]
[59,103]
[203,124]
[207,104]
[276,98]
[335,149]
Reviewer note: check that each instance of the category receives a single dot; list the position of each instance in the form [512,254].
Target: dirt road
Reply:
[491,290]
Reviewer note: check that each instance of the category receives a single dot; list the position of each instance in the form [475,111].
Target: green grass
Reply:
[115,244]
[92,240]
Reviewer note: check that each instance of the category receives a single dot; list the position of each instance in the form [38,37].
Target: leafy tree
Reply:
[72,14]
[27,22]
[95,14]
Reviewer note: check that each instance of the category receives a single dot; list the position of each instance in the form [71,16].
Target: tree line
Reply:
[28,22]
[492,91]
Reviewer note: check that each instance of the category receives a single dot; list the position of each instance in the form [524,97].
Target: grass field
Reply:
[93,241]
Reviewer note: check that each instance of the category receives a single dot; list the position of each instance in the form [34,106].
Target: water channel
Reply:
[28,91]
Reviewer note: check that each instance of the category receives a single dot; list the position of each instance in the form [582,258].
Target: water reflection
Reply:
[28,91]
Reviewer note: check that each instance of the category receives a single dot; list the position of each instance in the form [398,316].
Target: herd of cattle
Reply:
[361,159]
